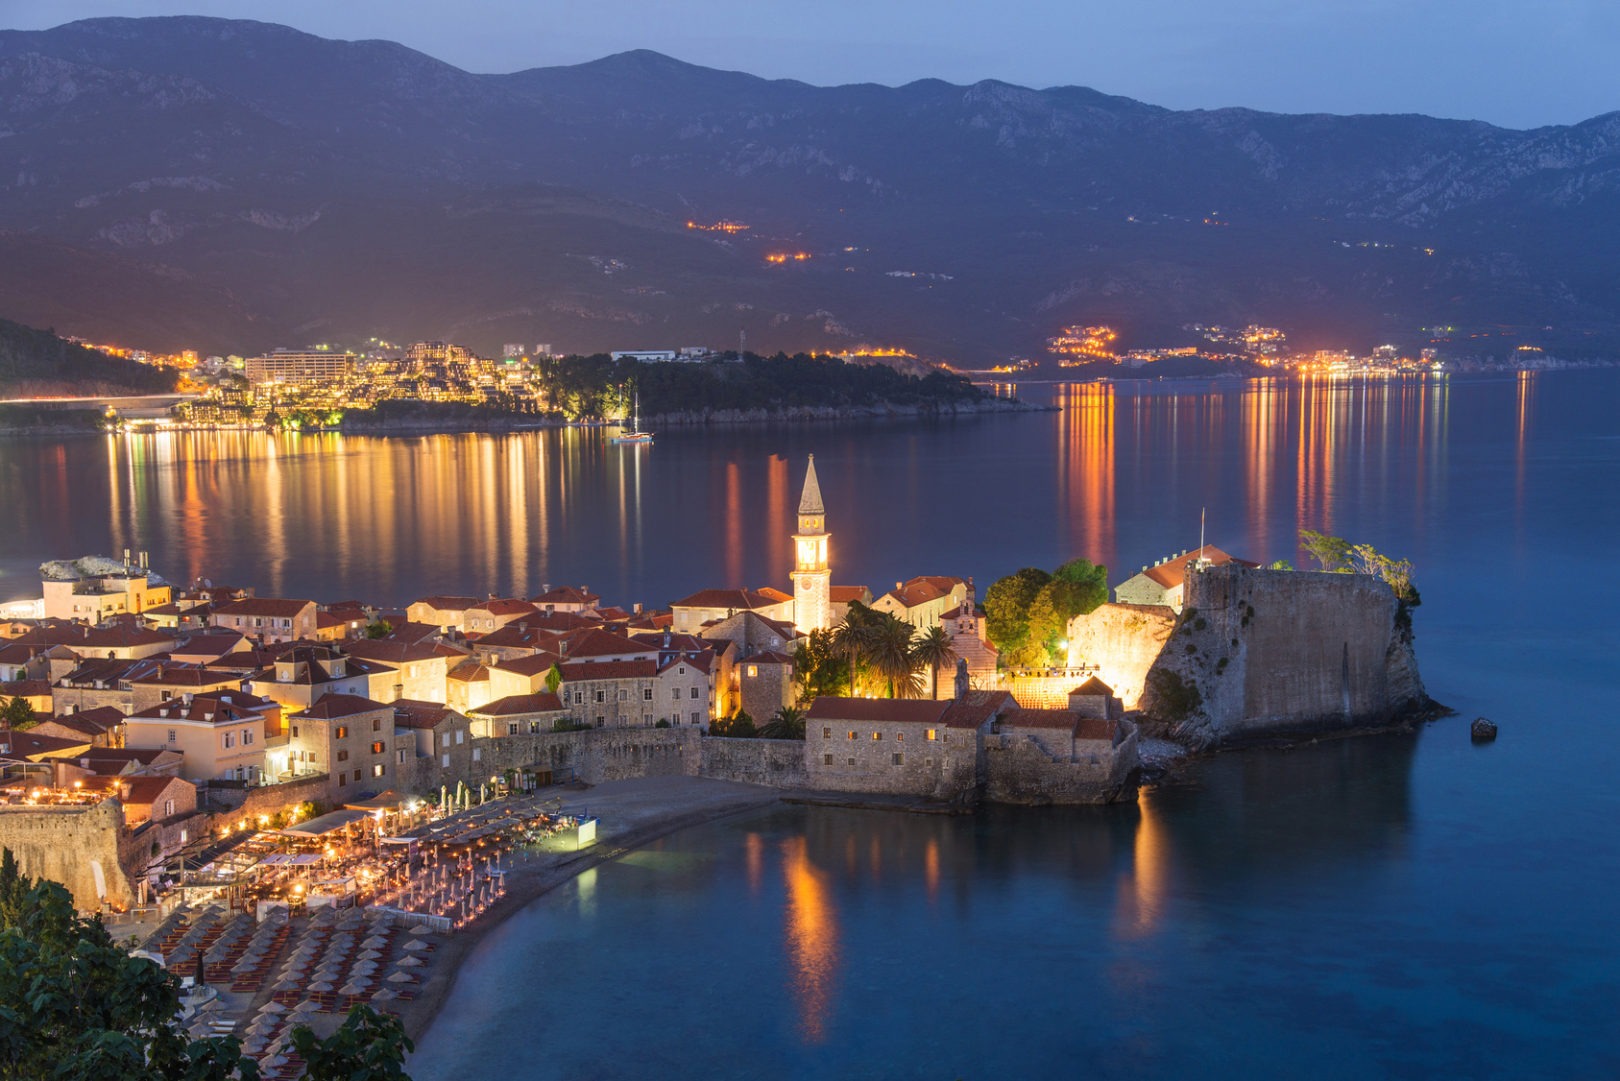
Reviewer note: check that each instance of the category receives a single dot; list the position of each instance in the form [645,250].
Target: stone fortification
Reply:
[1263,653]
[1122,641]
[778,763]
[76,846]
[1019,769]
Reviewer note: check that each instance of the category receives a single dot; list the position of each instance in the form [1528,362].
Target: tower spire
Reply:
[810,500]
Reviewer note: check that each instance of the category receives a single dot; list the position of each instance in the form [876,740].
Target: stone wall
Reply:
[778,763]
[68,845]
[1123,641]
[251,801]
[946,768]
[1019,770]
[1261,653]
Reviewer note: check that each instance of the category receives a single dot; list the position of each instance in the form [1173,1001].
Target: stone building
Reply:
[441,745]
[923,748]
[765,685]
[812,567]
[268,619]
[95,597]
[692,613]
[964,626]
[923,602]
[1164,582]
[516,715]
[347,737]
[222,734]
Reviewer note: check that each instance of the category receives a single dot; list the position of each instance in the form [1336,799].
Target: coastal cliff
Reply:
[1259,654]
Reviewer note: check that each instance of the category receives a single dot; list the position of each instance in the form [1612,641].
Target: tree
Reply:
[369,1046]
[738,726]
[931,649]
[819,667]
[18,714]
[1006,608]
[379,629]
[1330,553]
[74,1004]
[787,723]
[889,653]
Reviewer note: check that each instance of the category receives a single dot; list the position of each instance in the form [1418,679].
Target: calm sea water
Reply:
[1408,907]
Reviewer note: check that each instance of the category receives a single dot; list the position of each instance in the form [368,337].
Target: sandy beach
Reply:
[630,814]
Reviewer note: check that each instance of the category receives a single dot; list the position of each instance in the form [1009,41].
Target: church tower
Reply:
[812,574]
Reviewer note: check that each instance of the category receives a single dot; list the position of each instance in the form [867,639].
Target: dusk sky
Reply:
[1518,63]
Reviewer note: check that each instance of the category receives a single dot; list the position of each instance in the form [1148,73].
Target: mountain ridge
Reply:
[251,157]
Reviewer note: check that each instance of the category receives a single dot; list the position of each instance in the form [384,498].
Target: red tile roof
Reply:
[739,600]
[879,710]
[587,670]
[532,665]
[515,705]
[275,607]
[333,706]
[414,713]
[606,644]
[1173,571]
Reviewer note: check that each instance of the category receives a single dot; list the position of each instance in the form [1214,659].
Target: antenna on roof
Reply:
[1202,511]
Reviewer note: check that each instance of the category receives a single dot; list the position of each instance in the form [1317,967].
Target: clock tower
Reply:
[812,573]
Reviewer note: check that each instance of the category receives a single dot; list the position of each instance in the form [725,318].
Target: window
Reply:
[511,728]
[646,719]
[444,760]
[167,695]
[247,737]
[696,718]
[899,737]
[826,733]
[376,722]
[343,779]
[852,761]
[295,731]
[343,756]
[478,754]
[624,695]
[444,739]
[933,734]
[399,756]
[851,734]
[694,692]
[826,759]
[379,769]
[230,740]
[579,698]
[876,736]
[168,808]
[753,670]
[342,732]
[377,747]
[601,721]
[172,736]
[461,737]
[185,835]
[682,670]
[674,692]
[899,759]
[601,696]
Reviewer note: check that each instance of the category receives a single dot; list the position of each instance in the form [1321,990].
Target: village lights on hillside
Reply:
[780,257]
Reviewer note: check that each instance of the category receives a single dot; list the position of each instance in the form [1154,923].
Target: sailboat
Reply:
[633,434]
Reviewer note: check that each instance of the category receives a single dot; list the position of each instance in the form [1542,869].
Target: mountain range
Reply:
[234,186]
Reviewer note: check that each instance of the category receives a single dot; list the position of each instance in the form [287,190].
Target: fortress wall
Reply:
[775,762]
[1282,652]
[66,845]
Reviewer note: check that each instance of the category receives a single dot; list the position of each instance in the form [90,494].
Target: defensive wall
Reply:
[1263,653]
[76,846]
[1018,769]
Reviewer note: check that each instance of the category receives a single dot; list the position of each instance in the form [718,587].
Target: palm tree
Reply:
[933,649]
[788,723]
[890,655]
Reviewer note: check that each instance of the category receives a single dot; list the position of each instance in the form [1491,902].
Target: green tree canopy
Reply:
[76,1005]
[738,726]
[820,667]
[19,714]
[1006,608]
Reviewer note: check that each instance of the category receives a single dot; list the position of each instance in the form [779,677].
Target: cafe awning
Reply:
[327,823]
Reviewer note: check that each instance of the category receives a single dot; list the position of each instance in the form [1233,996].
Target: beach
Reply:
[630,813]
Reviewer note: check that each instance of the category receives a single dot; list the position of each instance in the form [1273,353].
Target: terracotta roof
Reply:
[1173,571]
[532,665]
[96,720]
[274,607]
[217,707]
[178,674]
[447,604]
[770,656]
[605,644]
[514,705]
[391,650]
[25,744]
[17,653]
[26,688]
[142,791]
[519,636]
[1093,686]
[469,671]
[1095,728]
[739,600]
[700,661]
[1041,718]
[774,593]
[566,595]
[922,590]
[586,670]
[109,672]
[414,713]
[333,706]
[208,647]
[879,710]
[505,606]
[977,707]
[406,631]
[846,594]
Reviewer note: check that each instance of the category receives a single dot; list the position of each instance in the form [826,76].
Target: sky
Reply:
[1517,63]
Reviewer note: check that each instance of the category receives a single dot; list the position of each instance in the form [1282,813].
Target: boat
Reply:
[634,434]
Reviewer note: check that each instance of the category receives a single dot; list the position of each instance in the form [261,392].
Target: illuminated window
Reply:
[852,735]
[900,737]
[933,734]
[826,733]
[753,670]
[342,732]
[377,748]
[378,770]
[876,736]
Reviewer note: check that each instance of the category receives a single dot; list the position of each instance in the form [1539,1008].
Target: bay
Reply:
[1392,906]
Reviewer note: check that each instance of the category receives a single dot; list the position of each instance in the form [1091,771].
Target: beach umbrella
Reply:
[401,977]
[374,942]
[421,929]
[273,1007]
[321,986]
[354,987]
[368,955]
[410,961]
[385,995]
[416,945]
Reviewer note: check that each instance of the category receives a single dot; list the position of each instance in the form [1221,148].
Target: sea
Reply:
[1408,906]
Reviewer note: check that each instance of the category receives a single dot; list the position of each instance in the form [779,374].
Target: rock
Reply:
[1483,730]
